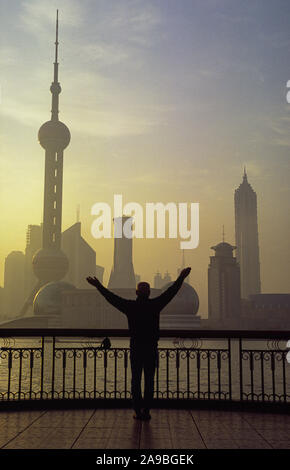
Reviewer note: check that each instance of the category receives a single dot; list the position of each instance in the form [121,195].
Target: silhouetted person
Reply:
[143,320]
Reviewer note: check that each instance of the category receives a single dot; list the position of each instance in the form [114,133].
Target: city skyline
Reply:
[124,159]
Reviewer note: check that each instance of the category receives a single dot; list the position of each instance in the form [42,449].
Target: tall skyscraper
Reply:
[224,294]
[246,227]
[13,283]
[122,274]
[81,256]
[50,263]
[33,244]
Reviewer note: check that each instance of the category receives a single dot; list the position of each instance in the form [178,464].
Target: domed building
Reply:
[48,300]
[181,312]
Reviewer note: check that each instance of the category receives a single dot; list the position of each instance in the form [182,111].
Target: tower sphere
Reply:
[54,135]
[50,264]
[48,299]
[55,88]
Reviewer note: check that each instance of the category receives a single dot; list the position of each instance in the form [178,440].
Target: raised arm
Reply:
[163,299]
[118,302]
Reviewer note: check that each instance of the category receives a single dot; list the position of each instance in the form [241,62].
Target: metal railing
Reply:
[224,366]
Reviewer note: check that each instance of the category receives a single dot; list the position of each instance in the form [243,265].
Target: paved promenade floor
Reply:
[168,429]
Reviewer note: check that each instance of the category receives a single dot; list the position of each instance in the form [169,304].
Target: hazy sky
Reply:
[166,100]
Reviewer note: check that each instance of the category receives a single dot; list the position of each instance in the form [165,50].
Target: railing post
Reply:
[63,371]
[241,367]
[262,376]
[167,373]
[95,372]
[208,373]
[219,373]
[53,367]
[74,372]
[252,374]
[230,368]
[198,373]
[188,373]
[85,370]
[284,376]
[157,373]
[177,372]
[10,356]
[20,373]
[115,372]
[273,374]
[42,367]
[31,372]
[126,369]
[105,373]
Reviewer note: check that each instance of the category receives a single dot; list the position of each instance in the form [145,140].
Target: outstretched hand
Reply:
[93,281]
[185,272]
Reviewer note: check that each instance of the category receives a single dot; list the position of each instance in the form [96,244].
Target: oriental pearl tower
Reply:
[50,264]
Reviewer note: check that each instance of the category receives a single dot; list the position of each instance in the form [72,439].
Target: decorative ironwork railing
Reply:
[218,365]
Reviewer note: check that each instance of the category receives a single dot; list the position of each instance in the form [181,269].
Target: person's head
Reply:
[143,290]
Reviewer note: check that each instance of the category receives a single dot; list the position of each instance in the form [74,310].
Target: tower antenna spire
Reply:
[55,86]
[56,40]
[223,234]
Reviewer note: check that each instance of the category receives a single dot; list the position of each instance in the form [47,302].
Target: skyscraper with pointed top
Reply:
[50,263]
[246,228]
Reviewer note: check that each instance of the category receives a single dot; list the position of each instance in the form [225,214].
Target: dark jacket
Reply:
[142,314]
